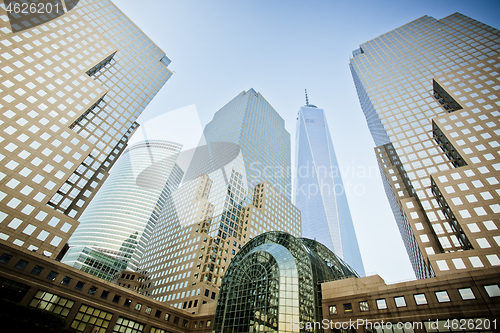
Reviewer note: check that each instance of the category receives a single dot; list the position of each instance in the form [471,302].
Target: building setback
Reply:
[429,91]
[72,87]
[229,195]
[117,225]
[319,192]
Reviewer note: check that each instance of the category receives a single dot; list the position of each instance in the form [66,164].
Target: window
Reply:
[158,314]
[201,324]
[90,316]
[92,290]
[348,308]
[51,302]
[466,293]
[79,285]
[442,296]
[5,258]
[195,324]
[37,270]
[52,275]
[333,309]
[492,290]
[184,323]
[116,299]
[381,304]
[213,295]
[104,294]
[363,306]
[66,280]
[209,322]
[127,302]
[400,301]
[138,306]
[167,316]
[207,292]
[420,299]
[127,325]
[176,321]
[21,264]
[148,310]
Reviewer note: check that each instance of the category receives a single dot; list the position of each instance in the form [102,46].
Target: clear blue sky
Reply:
[219,48]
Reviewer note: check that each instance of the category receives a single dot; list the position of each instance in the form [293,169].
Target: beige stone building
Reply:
[229,195]
[430,92]
[72,85]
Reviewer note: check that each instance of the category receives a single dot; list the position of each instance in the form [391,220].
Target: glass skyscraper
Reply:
[236,187]
[73,85]
[117,225]
[429,91]
[319,192]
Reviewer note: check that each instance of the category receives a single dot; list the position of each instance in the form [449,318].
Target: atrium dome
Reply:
[273,281]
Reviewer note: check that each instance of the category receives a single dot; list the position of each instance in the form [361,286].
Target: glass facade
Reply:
[72,87]
[319,192]
[117,225]
[236,187]
[429,91]
[275,281]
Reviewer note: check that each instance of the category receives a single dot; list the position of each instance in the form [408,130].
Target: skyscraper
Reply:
[72,87]
[236,187]
[117,225]
[429,91]
[319,192]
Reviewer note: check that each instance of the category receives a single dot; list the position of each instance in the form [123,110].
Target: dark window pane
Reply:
[66,280]
[21,264]
[79,285]
[92,290]
[127,302]
[52,275]
[116,299]
[5,258]
[104,294]
[37,270]
[157,313]
[348,308]
[176,320]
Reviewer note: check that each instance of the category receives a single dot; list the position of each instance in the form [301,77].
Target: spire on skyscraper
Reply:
[307,102]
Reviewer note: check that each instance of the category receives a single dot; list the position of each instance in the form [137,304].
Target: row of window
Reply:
[420,299]
[52,275]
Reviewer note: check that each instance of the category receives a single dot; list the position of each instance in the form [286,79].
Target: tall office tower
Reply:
[71,88]
[117,225]
[235,189]
[429,91]
[319,192]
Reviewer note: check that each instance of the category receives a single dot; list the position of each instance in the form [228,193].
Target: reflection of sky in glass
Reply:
[319,192]
[120,219]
